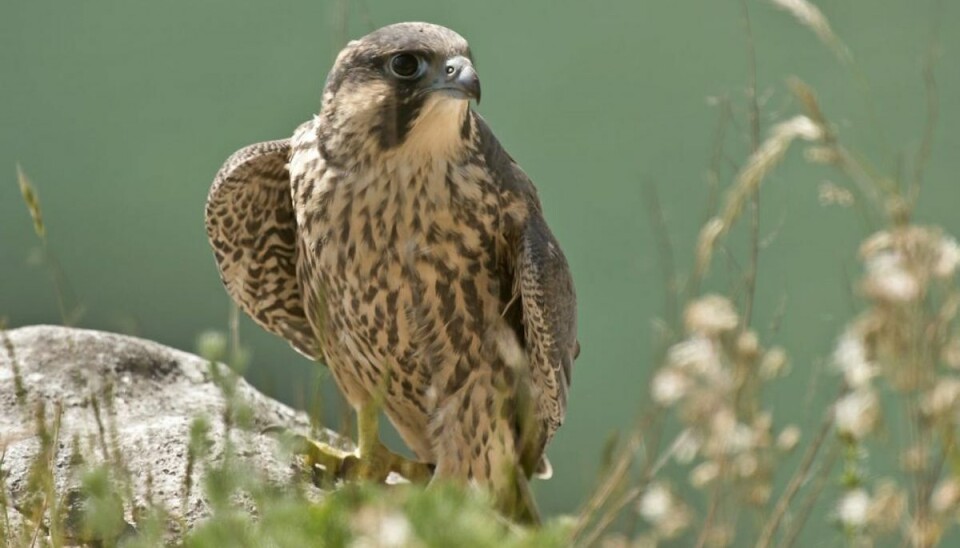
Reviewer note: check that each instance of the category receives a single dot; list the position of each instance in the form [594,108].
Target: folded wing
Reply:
[252,228]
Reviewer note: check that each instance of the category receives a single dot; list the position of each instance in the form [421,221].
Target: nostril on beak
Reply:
[459,72]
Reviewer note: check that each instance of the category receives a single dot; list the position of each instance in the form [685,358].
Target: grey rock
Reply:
[157,393]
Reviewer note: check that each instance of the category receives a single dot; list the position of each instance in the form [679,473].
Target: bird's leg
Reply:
[371,461]
[374,461]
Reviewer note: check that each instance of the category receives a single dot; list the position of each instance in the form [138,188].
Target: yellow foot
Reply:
[373,466]
[372,461]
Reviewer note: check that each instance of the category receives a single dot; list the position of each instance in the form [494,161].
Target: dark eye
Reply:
[405,65]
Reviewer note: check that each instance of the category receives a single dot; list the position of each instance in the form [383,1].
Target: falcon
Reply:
[393,239]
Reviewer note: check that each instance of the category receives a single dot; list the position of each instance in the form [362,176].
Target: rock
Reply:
[130,401]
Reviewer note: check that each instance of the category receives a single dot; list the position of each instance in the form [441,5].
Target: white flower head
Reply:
[656,504]
[741,439]
[829,193]
[686,447]
[704,473]
[697,355]
[946,496]
[711,315]
[669,386]
[854,508]
[888,279]
[788,438]
[774,363]
[948,258]
[668,515]
[856,413]
[850,358]
[729,435]
[942,398]
[877,242]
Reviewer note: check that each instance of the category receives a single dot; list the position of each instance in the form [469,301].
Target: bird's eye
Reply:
[405,65]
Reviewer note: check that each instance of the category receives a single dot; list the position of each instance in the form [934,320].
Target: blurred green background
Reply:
[121,112]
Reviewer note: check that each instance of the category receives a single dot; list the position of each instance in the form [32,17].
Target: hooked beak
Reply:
[459,79]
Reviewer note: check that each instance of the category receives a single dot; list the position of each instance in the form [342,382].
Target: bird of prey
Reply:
[393,239]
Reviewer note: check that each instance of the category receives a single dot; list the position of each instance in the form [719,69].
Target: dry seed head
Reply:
[948,258]
[788,438]
[774,363]
[889,279]
[711,315]
[32,201]
[696,355]
[853,509]
[763,423]
[706,241]
[762,430]
[701,407]
[941,400]
[704,474]
[946,496]
[875,243]
[686,447]
[850,358]
[727,435]
[900,263]
[887,506]
[821,155]
[748,345]
[830,194]
[657,503]
[669,386]
[763,160]
[856,413]
[810,16]
[798,127]
[924,532]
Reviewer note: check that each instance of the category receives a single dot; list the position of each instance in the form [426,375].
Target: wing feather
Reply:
[252,228]
[538,272]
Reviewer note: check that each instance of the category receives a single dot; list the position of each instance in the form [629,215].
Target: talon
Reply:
[316,453]
[373,462]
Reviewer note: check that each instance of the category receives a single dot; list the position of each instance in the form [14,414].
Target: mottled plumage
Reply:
[394,239]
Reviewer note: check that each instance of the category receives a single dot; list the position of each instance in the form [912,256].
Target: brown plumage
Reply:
[395,240]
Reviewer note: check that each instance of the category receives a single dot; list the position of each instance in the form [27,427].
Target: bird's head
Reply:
[403,86]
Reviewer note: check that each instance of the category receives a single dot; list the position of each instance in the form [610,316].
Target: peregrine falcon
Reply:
[393,239]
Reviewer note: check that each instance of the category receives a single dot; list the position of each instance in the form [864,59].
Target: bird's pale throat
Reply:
[439,126]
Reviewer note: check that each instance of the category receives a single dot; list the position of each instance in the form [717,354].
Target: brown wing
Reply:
[252,228]
[549,317]
[544,313]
